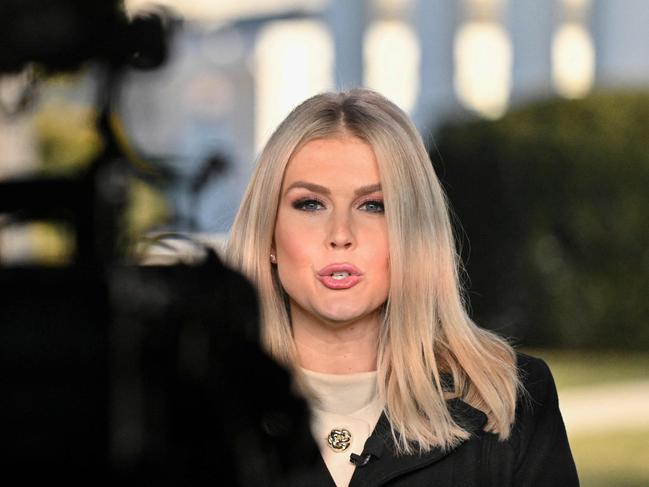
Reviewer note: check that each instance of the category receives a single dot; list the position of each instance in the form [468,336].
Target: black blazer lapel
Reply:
[382,464]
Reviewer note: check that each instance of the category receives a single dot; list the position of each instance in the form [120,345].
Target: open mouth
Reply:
[339,271]
[340,275]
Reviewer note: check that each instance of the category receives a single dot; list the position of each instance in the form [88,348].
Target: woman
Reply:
[345,231]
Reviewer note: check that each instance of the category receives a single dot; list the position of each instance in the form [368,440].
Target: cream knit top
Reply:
[347,402]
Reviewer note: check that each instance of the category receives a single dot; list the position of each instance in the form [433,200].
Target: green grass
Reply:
[584,368]
[612,459]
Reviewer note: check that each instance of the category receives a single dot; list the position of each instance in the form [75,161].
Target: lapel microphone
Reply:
[360,460]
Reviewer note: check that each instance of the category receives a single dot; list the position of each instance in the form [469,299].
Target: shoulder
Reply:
[537,406]
[535,376]
[538,391]
[531,365]
[538,434]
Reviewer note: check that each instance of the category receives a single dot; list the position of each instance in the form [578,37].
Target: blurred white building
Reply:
[239,67]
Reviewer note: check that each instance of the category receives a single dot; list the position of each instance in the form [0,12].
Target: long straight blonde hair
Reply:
[425,330]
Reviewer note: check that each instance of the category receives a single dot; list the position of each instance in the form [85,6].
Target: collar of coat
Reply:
[383,463]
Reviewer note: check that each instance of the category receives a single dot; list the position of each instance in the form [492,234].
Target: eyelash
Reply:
[376,202]
[303,202]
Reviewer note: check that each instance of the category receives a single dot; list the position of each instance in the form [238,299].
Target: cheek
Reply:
[384,258]
[293,241]
[378,254]
[385,267]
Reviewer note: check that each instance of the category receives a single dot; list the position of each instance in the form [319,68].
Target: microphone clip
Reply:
[360,460]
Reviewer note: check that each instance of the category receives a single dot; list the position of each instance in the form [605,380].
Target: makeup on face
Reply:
[330,236]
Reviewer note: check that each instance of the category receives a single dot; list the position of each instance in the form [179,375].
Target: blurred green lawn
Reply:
[612,458]
[585,368]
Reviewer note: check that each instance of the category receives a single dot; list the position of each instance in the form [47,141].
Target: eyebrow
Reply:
[316,188]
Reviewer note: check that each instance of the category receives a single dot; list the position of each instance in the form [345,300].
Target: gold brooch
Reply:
[339,439]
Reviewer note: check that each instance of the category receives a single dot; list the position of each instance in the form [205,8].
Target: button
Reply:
[339,439]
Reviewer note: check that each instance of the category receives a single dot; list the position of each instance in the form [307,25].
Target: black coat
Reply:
[536,454]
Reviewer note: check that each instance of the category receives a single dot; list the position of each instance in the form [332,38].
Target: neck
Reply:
[335,348]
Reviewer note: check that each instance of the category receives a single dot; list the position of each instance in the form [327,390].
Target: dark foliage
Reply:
[554,200]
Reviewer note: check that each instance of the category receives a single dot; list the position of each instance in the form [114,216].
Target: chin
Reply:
[342,318]
[343,314]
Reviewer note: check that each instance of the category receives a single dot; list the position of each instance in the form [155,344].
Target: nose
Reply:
[341,234]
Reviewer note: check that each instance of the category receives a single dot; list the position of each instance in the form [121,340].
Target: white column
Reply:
[531,26]
[347,21]
[436,23]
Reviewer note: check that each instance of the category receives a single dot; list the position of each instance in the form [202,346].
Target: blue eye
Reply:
[373,206]
[308,204]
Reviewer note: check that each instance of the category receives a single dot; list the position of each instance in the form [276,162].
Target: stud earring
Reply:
[273,259]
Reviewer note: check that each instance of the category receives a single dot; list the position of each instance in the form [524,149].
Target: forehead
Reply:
[334,159]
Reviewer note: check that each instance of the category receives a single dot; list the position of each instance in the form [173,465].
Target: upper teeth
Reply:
[340,275]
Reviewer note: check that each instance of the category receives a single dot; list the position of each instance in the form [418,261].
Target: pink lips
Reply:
[325,275]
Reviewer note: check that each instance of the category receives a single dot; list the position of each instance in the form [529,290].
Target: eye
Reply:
[308,204]
[373,206]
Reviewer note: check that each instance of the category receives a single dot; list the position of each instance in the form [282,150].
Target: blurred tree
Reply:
[68,141]
[554,200]
[67,138]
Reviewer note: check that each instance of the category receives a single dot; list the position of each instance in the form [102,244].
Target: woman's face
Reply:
[331,239]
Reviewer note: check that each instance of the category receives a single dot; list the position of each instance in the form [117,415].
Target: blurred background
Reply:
[536,115]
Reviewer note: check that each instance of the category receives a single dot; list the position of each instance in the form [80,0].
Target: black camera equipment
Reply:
[115,373]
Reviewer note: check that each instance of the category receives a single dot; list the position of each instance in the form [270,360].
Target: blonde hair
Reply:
[425,330]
